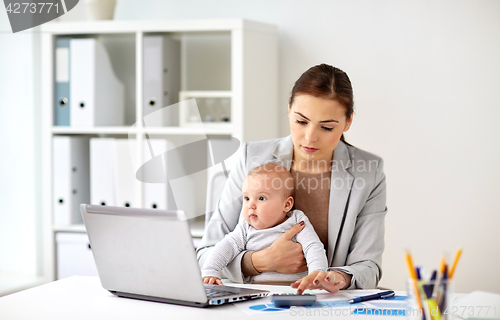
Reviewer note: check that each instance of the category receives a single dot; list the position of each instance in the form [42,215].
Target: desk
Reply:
[84,298]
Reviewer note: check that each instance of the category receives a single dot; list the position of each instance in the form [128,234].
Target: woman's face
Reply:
[316,125]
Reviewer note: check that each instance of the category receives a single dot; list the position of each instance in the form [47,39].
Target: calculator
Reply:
[293,299]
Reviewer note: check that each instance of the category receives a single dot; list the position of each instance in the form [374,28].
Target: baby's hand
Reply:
[212,280]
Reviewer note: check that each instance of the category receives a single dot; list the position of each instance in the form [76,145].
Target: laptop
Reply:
[148,254]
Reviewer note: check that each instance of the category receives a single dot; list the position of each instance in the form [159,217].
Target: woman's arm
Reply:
[364,260]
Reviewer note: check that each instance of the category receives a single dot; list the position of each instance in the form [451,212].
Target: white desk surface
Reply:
[83,298]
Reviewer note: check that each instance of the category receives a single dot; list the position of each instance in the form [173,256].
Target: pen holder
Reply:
[429,300]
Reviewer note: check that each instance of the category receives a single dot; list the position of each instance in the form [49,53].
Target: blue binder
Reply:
[61,83]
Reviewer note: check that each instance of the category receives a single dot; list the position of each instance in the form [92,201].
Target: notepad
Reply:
[478,305]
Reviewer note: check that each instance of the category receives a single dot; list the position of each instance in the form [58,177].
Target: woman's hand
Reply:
[331,281]
[284,255]
[212,280]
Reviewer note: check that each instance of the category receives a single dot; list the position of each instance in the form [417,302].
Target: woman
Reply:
[340,188]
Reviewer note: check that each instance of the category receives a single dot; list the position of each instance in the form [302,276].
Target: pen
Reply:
[380,295]
[437,283]
[419,275]
[441,297]
[432,281]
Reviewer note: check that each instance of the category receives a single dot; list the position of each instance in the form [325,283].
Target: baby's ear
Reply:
[288,204]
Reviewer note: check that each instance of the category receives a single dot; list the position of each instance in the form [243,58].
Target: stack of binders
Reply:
[113,170]
[87,91]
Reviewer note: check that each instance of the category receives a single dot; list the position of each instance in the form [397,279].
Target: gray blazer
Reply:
[357,209]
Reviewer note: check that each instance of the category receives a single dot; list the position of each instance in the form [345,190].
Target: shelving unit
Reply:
[234,59]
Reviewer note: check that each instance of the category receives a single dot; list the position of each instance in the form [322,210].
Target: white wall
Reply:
[426,76]
[18,231]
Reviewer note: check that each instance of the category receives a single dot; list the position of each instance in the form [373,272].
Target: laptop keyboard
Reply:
[214,293]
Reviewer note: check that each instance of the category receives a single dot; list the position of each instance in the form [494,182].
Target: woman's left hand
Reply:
[331,281]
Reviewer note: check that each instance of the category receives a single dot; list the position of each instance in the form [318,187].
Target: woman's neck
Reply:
[311,165]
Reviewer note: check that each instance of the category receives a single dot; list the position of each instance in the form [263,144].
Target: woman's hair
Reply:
[325,81]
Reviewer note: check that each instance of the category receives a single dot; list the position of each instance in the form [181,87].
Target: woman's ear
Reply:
[348,123]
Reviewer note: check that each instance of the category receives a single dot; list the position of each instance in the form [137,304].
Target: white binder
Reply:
[161,80]
[97,96]
[74,255]
[124,174]
[102,168]
[155,194]
[70,170]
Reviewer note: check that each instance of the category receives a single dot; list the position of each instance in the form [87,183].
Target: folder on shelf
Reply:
[161,80]
[61,83]
[155,194]
[71,178]
[74,255]
[124,175]
[97,96]
[102,167]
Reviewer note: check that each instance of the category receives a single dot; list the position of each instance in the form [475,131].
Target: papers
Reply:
[478,305]
[330,304]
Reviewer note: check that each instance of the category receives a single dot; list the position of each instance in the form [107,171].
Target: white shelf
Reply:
[206,129]
[95,130]
[197,228]
[207,94]
[202,25]
[219,130]
[71,228]
[221,58]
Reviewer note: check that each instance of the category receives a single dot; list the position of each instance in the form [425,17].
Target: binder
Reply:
[161,80]
[61,83]
[155,194]
[74,255]
[97,96]
[70,170]
[124,174]
[102,167]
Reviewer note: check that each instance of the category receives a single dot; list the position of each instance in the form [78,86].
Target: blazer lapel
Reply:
[283,153]
[340,190]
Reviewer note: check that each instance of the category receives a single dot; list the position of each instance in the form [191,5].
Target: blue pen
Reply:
[429,287]
[381,295]
[419,276]
[441,300]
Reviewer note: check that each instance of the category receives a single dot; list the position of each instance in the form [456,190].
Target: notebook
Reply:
[148,254]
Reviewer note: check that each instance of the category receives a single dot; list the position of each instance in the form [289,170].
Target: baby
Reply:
[267,201]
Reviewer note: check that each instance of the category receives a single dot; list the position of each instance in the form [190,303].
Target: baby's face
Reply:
[263,206]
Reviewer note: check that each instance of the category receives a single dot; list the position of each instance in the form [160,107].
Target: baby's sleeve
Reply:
[313,248]
[225,251]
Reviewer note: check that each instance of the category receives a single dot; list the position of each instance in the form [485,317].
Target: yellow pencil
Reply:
[455,261]
[409,264]
[413,276]
[442,264]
